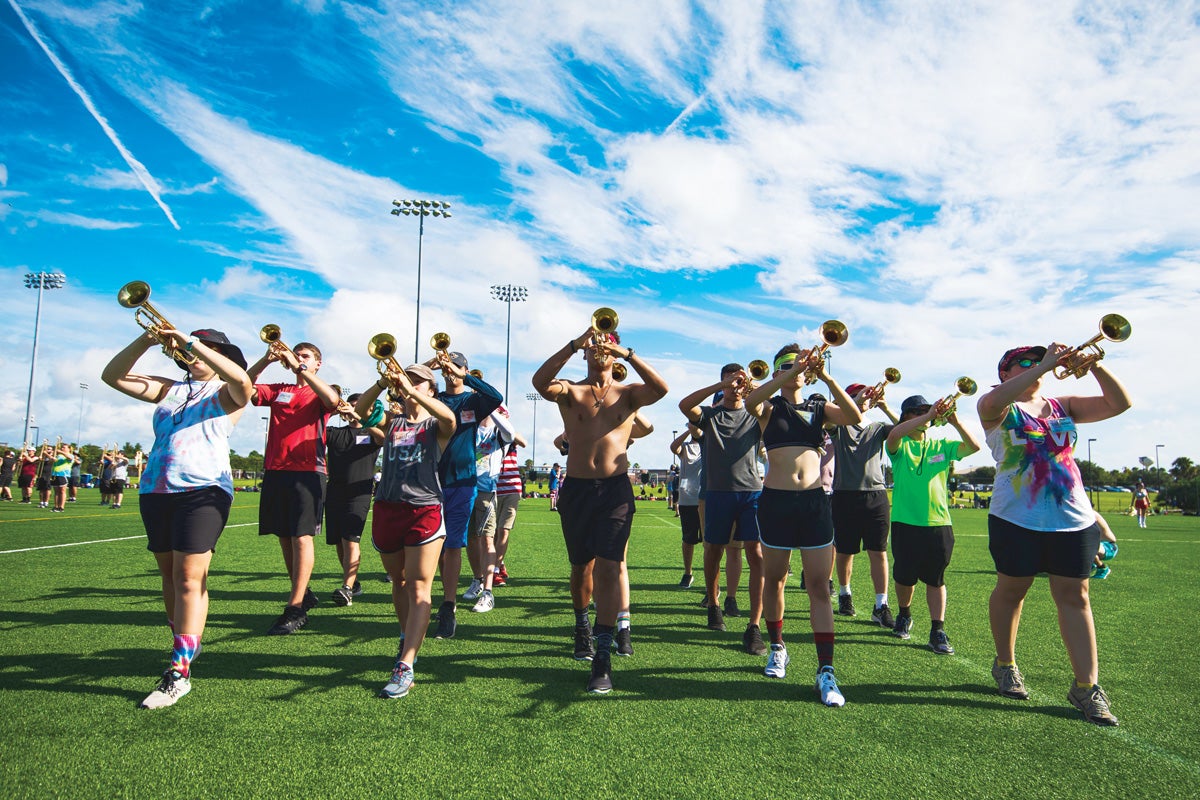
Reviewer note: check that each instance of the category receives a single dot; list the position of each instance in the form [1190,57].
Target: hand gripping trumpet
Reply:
[965,387]
[833,334]
[136,295]
[604,322]
[1078,362]
[271,335]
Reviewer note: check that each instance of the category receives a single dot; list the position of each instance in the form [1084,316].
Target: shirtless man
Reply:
[596,503]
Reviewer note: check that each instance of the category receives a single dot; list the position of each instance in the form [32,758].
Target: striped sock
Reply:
[824,640]
[185,651]
[622,620]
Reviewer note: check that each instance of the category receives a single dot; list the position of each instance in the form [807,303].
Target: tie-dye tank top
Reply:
[1037,484]
[191,441]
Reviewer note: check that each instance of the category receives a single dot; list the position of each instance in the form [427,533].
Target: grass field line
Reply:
[102,541]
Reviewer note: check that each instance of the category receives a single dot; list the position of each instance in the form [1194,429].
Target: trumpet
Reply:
[478,373]
[758,369]
[1079,361]
[890,375]
[966,387]
[604,322]
[440,342]
[382,348]
[833,334]
[619,372]
[136,295]
[271,335]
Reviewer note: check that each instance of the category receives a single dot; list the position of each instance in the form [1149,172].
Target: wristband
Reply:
[629,355]
[301,368]
[571,346]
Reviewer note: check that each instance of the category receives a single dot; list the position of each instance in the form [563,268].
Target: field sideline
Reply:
[500,711]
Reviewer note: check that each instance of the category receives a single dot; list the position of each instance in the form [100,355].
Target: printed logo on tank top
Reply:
[1060,430]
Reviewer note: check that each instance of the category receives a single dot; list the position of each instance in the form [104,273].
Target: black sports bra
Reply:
[795,425]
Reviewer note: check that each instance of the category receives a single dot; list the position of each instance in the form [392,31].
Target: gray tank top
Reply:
[410,460]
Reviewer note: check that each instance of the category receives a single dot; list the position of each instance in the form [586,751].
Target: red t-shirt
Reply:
[296,438]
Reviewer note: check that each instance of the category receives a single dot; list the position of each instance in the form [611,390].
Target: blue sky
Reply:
[949,179]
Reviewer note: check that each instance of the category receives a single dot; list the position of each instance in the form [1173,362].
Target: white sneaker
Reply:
[172,687]
[827,686]
[473,591]
[486,602]
[777,662]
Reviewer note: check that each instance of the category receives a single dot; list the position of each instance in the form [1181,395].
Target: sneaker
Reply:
[624,641]
[485,603]
[777,662]
[939,643]
[1009,681]
[828,688]
[1100,573]
[400,682]
[752,641]
[1093,703]
[447,621]
[499,579]
[310,600]
[731,606]
[802,586]
[343,596]
[716,620]
[585,649]
[69,499]
[903,627]
[601,681]
[115,505]
[686,581]
[170,688]
[474,590]
[883,616]
[356,590]
[386,578]
[846,606]
[1109,550]
[291,620]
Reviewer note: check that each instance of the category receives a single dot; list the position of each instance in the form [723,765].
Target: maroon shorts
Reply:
[395,526]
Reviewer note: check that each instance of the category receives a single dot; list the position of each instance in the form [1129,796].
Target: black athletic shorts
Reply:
[6,480]
[345,518]
[860,521]
[1022,553]
[790,520]
[596,516]
[116,486]
[689,520]
[73,482]
[24,481]
[921,553]
[185,522]
[291,503]
[43,484]
[59,480]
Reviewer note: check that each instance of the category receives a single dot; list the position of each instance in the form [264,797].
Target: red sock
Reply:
[824,640]
[775,630]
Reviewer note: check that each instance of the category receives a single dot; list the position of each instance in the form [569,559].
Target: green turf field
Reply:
[500,711]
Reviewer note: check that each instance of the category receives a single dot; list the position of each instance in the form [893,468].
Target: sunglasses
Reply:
[1023,363]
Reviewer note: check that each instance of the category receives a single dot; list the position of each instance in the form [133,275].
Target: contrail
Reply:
[136,166]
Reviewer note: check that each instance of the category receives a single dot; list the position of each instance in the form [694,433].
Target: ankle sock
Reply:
[881,600]
[623,620]
[824,640]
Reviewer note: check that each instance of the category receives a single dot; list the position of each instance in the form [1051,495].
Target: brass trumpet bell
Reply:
[269,333]
[478,373]
[382,348]
[136,295]
[619,372]
[758,369]
[966,387]
[890,375]
[1080,361]
[133,294]
[440,342]
[834,333]
[605,320]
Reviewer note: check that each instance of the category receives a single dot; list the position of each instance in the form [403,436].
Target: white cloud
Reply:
[81,221]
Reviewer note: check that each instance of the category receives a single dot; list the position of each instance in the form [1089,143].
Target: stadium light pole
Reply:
[1157,468]
[83,387]
[534,397]
[1093,463]
[420,209]
[508,294]
[40,281]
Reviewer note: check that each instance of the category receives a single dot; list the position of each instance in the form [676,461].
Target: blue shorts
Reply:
[730,516]
[457,504]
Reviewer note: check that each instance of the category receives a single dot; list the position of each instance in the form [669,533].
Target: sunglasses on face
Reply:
[1023,363]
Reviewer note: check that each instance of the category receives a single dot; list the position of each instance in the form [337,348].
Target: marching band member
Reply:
[352,453]
[407,525]
[595,503]
[187,487]
[794,510]
[1040,518]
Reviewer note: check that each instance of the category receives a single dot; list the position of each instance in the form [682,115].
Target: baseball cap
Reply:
[420,372]
[458,359]
[1036,352]
[855,388]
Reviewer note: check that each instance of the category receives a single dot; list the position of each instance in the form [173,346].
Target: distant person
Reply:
[687,447]
[509,490]
[76,477]
[63,459]
[1141,503]
[27,467]
[8,465]
[120,476]
[555,474]
[351,456]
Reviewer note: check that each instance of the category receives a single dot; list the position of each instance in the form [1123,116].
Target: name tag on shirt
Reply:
[937,459]
[284,397]
[467,416]
[362,439]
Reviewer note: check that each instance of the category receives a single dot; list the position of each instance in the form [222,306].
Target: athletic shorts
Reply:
[921,553]
[1022,553]
[116,486]
[6,480]
[723,511]
[1141,503]
[43,484]
[59,480]
[483,516]
[795,520]
[596,517]
[185,522]
[345,518]
[395,526]
[689,520]
[291,503]
[506,510]
[24,481]
[73,482]
[860,521]
[458,503]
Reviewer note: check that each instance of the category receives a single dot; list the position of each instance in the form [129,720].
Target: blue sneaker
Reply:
[400,683]
[1108,550]
[1100,573]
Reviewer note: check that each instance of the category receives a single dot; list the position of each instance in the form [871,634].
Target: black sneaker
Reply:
[752,641]
[802,586]
[624,642]
[903,627]
[883,616]
[291,620]
[601,682]
[447,622]
[585,649]
[310,600]
[845,605]
[939,643]
[356,590]
[731,606]
[716,620]
[686,581]
[343,596]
